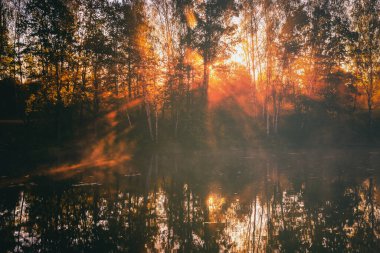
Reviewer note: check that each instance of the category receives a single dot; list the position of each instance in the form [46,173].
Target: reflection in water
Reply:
[236,202]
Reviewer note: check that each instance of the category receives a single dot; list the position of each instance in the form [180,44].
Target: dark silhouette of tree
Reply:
[214,25]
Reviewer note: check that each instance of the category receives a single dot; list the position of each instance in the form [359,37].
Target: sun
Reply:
[238,55]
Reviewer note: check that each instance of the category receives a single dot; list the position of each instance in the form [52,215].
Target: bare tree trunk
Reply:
[267,119]
[96,92]
[59,104]
[369,103]
[18,41]
[96,99]
[156,125]
[253,56]
[206,77]
[277,116]
[129,77]
[129,118]
[176,124]
[370,92]
[274,95]
[148,116]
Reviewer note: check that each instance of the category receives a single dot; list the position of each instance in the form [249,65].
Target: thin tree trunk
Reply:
[148,116]
[277,117]
[274,108]
[253,57]
[369,103]
[129,77]
[176,124]
[129,119]
[156,125]
[59,103]
[267,120]
[205,77]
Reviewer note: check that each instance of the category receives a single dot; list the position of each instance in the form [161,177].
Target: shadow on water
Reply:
[235,201]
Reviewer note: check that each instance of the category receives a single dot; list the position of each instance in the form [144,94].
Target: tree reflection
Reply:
[239,204]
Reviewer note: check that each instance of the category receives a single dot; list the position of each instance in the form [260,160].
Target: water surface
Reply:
[216,201]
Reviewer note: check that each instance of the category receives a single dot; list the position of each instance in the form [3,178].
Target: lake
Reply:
[254,200]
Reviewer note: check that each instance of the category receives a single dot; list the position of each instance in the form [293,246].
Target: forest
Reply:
[191,72]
